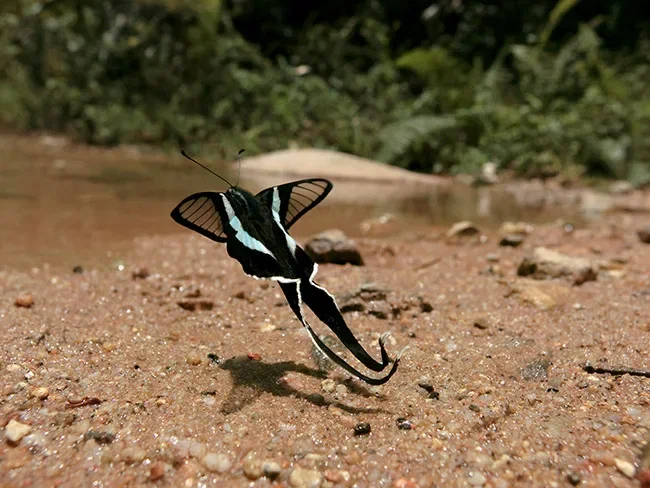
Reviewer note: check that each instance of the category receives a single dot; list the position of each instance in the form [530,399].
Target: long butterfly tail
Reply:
[325,308]
[293,295]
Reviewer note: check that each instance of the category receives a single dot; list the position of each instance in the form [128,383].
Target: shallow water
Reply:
[69,206]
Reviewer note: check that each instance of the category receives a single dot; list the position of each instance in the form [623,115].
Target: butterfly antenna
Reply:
[241,151]
[205,168]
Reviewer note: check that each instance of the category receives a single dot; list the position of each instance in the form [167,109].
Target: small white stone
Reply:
[15,431]
[625,467]
[305,478]
[217,463]
[476,479]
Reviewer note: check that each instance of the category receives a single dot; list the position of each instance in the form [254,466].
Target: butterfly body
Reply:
[255,230]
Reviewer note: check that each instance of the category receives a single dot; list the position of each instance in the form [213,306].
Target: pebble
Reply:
[462,229]
[644,235]
[481,323]
[328,385]
[625,467]
[133,454]
[305,478]
[193,359]
[362,428]
[271,469]
[157,471]
[252,466]
[217,463]
[511,240]
[25,301]
[476,479]
[404,424]
[15,430]
[404,483]
[41,393]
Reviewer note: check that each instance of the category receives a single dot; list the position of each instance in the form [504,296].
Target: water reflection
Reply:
[69,210]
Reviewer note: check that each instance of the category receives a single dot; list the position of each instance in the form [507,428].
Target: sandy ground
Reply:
[176,369]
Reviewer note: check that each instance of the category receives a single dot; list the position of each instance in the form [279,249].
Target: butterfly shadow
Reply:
[253,378]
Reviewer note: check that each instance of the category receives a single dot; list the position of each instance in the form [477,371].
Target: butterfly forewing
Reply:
[296,198]
[201,212]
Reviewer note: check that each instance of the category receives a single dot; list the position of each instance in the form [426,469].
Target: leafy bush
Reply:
[441,86]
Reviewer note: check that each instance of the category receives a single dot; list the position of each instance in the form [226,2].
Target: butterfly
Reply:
[255,231]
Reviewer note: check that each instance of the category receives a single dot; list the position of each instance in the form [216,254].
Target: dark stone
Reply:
[404,424]
[77,270]
[644,235]
[362,428]
[100,437]
[512,240]
[214,359]
[333,246]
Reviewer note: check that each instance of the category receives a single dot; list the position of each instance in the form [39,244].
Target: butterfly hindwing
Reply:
[296,198]
[202,212]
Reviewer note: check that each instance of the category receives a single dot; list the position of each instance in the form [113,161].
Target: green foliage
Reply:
[442,86]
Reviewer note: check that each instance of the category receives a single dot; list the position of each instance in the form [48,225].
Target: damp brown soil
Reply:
[173,368]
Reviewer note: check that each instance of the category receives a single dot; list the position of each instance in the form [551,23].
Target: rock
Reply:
[481,322]
[305,478]
[328,385]
[133,455]
[644,235]
[488,175]
[24,301]
[192,304]
[252,466]
[644,458]
[521,228]
[99,436]
[545,263]
[15,431]
[625,467]
[542,297]
[216,463]
[536,369]
[404,424]
[140,273]
[41,393]
[333,246]
[193,359]
[476,479]
[461,230]
[271,469]
[362,428]
[511,240]
[157,471]
[404,483]
[621,187]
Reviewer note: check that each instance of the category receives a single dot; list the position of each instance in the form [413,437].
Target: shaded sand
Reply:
[178,370]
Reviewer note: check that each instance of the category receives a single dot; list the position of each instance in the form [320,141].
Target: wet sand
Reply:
[176,369]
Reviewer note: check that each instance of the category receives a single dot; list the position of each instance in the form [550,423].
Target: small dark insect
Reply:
[255,230]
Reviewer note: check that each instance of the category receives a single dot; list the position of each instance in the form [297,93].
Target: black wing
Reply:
[296,198]
[202,213]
